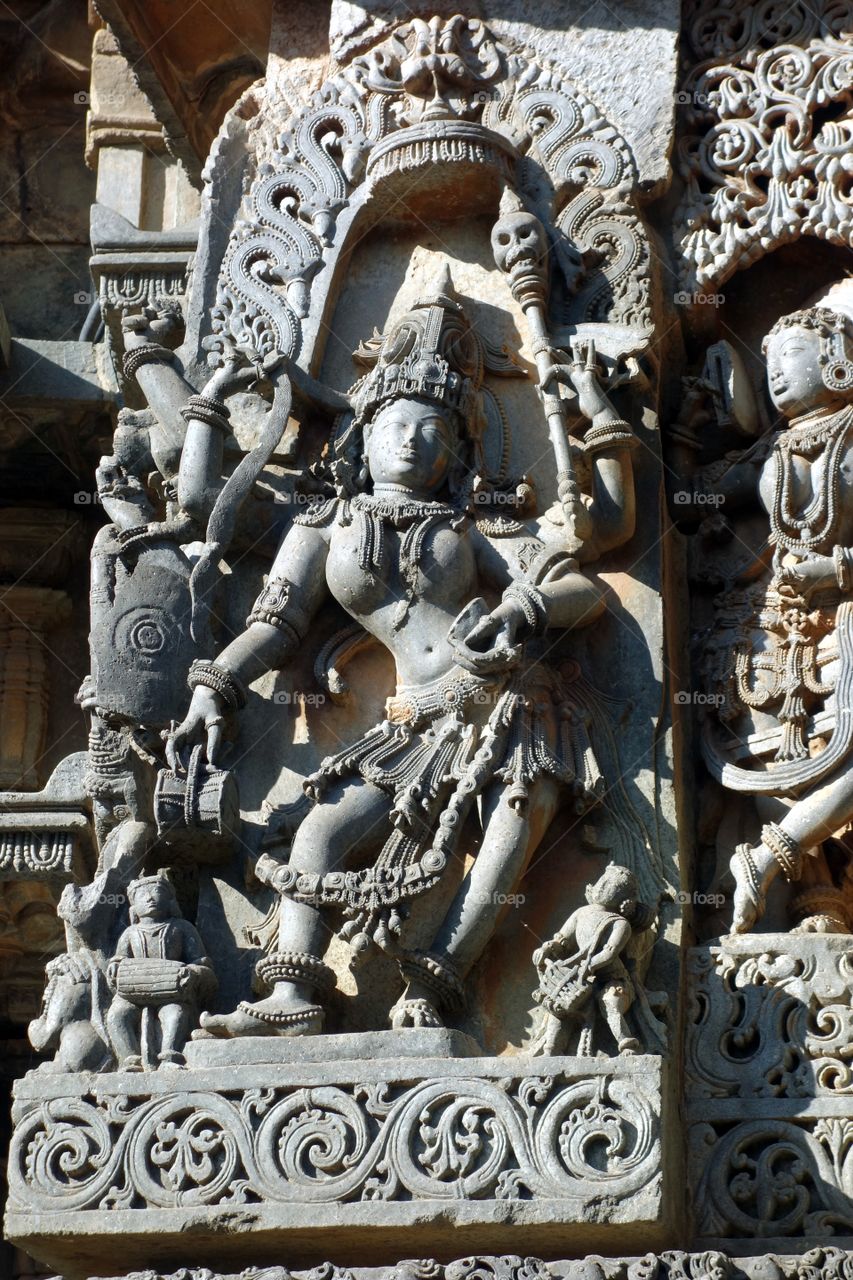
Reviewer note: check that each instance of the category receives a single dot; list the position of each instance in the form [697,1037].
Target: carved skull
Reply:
[518,243]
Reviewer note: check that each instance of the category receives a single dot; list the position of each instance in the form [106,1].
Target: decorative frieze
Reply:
[830,1263]
[768,1086]
[768,109]
[335,1147]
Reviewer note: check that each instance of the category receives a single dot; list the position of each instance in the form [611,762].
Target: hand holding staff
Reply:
[520,249]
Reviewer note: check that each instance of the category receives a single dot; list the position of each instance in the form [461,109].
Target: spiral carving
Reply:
[751,184]
[430,1140]
[299,206]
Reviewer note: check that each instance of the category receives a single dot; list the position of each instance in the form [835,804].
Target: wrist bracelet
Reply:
[148,353]
[841,559]
[532,604]
[212,676]
[608,435]
[206,409]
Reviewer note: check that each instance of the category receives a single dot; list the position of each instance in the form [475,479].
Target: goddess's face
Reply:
[793,372]
[411,443]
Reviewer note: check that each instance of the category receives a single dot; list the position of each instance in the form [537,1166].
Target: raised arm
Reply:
[609,443]
[151,363]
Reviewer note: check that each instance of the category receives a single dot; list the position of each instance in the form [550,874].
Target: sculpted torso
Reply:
[448,579]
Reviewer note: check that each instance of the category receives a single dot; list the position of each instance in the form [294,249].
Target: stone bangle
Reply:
[787,851]
[205,409]
[532,604]
[843,568]
[225,683]
[148,353]
[608,435]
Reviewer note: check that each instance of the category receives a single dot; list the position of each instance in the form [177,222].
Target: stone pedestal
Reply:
[768,1088]
[284,1156]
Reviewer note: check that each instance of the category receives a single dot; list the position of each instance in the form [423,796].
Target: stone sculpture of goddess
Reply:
[405,549]
[781,656]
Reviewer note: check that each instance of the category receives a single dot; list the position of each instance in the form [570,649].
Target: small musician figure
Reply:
[583,968]
[158,973]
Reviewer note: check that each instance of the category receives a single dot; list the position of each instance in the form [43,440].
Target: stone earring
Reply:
[836,370]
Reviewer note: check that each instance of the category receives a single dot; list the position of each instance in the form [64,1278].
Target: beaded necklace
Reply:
[815,436]
[414,517]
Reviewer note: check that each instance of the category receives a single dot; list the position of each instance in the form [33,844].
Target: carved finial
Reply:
[511,202]
[440,289]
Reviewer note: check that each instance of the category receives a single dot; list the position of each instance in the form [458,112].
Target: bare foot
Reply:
[548,1035]
[273,1016]
[414,1012]
[750,869]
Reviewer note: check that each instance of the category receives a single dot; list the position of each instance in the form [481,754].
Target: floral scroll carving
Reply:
[769,130]
[771,1020]
[432,1140]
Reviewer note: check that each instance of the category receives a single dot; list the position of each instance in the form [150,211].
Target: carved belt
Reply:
[456,689]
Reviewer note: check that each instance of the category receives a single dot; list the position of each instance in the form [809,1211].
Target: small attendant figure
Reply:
[583,968]
[159,973]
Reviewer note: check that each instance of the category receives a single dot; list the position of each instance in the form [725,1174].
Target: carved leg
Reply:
[550,1035]
[509,840]
[615,1001]
[123,1025]
[174,1027]
[350,822]
[810,821]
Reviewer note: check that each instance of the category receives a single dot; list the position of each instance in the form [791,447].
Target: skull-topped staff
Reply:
[520,250]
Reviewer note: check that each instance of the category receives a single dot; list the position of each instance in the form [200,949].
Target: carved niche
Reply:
[392,524]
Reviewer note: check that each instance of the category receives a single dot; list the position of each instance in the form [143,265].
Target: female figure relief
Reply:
[405,547]
[785,664]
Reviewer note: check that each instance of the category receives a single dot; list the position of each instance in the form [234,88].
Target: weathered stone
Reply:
[419,1150]
[404,776]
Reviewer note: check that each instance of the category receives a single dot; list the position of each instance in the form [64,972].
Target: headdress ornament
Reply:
[430,352]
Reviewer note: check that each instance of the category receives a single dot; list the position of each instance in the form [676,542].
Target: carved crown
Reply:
[430,352]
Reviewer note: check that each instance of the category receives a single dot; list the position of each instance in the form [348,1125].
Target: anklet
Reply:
[785,849]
